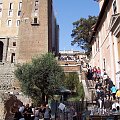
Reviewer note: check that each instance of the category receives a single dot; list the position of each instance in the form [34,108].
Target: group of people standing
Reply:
[30,113]
[106,92]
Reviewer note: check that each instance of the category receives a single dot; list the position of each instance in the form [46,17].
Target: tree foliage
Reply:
[81,32]
[72,83]
[41,77]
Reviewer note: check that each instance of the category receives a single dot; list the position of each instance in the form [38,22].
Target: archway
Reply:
[1,51]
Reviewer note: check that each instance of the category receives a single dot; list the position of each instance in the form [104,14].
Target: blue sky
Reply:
[68,11]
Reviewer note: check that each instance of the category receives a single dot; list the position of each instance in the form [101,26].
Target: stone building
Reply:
[106,39]
[72,61]
[28,28]
[9,26]
[38,31]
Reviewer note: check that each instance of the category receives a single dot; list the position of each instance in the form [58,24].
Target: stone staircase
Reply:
[7,77]
[89,90]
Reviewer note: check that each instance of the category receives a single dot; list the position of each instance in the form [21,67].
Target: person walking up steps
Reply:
[114,90]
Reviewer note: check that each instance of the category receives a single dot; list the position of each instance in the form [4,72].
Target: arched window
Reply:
[1,51]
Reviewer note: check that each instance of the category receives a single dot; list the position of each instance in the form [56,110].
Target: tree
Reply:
[72,83]
[81,32]
[41,77]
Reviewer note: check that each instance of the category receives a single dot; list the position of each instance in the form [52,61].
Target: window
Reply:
[97,43]
[36,3]
[9,23]
[19,5]
[19,12]
[35,20]
[10,12]
[18,23]
[104,64]
[14,43]
[114,7]
[1,9]
[10,6]
[19,8]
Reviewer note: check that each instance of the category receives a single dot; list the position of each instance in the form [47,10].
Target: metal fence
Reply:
[78,106]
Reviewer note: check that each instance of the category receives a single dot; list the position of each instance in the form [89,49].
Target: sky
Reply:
[69,11]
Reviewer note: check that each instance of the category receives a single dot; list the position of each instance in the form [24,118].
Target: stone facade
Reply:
[106,40]
[28,28]
[37,34]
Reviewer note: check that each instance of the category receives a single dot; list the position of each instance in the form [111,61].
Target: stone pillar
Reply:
[80,78]
[116,61]
[112,67]
[5,47]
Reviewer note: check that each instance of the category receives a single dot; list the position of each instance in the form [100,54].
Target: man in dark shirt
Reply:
[27,112]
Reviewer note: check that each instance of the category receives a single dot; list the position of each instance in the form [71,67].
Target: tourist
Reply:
[98,84]
[115,106]
[47,114]
[118,94]
[74,113]
[42,111]
[113,91]
[13,110]
[107,103]
[18,115]
[21,108]
[98,73]
[27,112]
[94,73]
[109,83]
[36,114]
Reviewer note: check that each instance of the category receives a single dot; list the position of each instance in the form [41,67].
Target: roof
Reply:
[105,4]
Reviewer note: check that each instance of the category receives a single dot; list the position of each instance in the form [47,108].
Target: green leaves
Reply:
[81,32]
[71,81]
[41,76]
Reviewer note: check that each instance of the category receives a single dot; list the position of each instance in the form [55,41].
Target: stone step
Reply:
[87,93]
[6,65]
[7,77]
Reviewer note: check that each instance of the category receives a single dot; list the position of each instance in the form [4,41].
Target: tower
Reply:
[38,30]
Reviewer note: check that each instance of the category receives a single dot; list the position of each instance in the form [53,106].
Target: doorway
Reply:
[1,51]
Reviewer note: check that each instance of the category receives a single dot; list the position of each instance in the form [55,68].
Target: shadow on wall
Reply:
[8,104]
